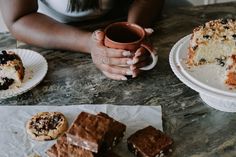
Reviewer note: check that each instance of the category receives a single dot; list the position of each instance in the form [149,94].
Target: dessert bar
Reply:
[88,131]
[149,142]
[115,133]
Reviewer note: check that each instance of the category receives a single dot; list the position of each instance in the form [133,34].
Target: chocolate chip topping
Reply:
[234,36]
[6,83]
[202,61]
[224,21]
[206,36]
[44,124]
[226,27]
[221,61]
[195,47]
[5,57]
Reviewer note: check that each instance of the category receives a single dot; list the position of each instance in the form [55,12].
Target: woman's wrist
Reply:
[85,45]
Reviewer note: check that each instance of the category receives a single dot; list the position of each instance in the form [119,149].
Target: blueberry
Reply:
[222,64]
[4,57]
[224,21]
[206,36]
[226,27]
[234,36]
[4,52]
[6,83]
[195,47]
[202,61]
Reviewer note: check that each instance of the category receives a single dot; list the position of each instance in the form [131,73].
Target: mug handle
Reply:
[154,56]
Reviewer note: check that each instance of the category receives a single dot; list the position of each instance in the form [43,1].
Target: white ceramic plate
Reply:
[35,70]
[208,79]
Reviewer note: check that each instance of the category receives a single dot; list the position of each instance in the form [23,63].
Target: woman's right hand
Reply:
[109,60]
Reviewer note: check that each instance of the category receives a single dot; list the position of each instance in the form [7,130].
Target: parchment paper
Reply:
[14,141]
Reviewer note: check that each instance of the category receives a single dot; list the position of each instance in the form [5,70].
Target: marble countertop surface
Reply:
[197,129]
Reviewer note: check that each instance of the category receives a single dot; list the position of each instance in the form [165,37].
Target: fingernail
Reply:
[132,67]
[124,78]
[135,60]
[126,53]
[130,62]
[97,35]
[138,53]
[149,30]
[129,72]
[97,32]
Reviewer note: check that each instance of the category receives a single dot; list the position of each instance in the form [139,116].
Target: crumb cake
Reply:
[149,142]
[215,42]
[11,70]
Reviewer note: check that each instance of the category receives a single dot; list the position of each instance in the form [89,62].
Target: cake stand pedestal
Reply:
[219,103]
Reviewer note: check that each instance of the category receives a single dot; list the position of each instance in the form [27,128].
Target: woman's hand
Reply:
[109,60]
[142,57]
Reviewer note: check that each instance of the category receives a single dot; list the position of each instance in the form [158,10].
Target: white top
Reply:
[60,11]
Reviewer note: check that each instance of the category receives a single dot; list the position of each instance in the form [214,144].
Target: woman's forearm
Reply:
[145,12]
[40,30]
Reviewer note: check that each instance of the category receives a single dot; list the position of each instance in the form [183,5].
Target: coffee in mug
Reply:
[128,36]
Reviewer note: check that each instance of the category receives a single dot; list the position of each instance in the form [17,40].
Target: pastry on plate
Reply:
[46,125]
[11,70]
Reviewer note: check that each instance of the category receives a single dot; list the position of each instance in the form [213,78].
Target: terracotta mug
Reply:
[130,37]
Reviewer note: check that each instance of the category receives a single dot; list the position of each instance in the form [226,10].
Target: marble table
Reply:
[197,129]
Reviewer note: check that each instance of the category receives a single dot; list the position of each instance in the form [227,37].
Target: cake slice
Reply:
[11,70]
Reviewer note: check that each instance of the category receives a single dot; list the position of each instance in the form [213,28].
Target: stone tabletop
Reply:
[197,129]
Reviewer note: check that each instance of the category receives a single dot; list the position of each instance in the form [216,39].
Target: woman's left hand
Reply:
[142,57]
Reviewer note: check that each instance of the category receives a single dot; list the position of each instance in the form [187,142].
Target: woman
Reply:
[46,28]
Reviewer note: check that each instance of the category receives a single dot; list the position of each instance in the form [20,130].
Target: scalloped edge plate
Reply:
[36,68]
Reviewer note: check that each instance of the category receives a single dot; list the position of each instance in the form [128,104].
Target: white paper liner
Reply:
[14,141]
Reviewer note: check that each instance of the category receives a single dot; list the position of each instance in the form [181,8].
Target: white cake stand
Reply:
[207,79]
